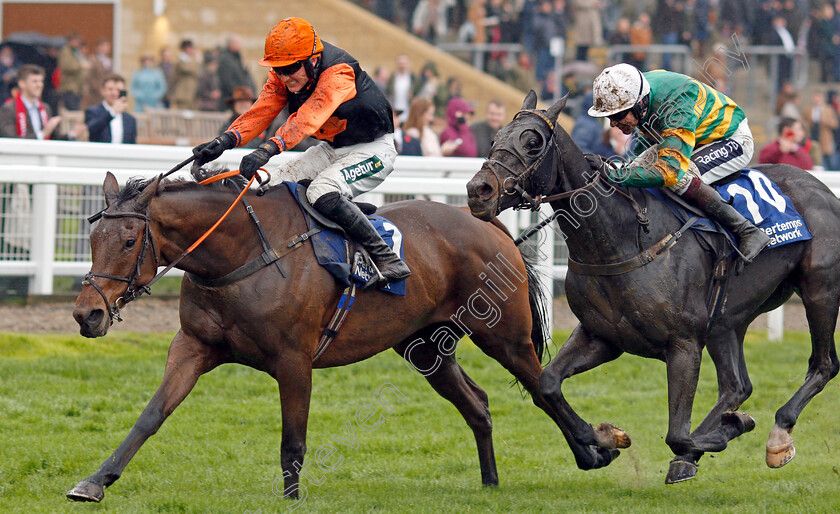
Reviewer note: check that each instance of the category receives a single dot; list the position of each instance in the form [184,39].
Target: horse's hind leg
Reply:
[446,376]
[592,447]
[188,359]
[821,310]
[723,423]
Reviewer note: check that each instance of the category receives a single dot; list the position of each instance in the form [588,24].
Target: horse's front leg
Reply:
[592,447]
[188,359]
[294,377]
[683,369]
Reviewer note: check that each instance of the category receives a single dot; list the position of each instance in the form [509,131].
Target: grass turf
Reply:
[67,403]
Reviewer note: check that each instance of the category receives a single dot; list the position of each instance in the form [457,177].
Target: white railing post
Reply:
[510,219]
[43,223]
[776,324]
[546,266]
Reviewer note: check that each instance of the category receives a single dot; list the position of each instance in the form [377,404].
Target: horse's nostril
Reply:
[485,191]
[94,318]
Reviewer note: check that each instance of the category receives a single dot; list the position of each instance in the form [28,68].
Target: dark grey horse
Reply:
[658,309]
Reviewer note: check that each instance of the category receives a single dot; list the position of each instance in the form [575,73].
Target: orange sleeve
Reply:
[258,118]
[336,85]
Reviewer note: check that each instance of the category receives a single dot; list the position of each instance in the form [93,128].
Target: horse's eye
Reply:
[130,243]
[533,144]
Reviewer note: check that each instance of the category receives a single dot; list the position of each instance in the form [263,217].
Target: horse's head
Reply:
[521,164]
[123,254]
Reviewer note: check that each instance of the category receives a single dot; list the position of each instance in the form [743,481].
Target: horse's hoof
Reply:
[86,491]
[595,457]
[744,422]
[680,471]
[780,448]
[611,437]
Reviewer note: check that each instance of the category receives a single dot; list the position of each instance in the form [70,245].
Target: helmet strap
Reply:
[310,68]
[640,109]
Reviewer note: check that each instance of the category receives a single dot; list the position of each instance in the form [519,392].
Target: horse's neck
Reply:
[599,224]
[179,219]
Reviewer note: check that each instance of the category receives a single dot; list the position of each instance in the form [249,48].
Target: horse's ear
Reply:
[555,109]
[530,101]
[111,187]
[148,192]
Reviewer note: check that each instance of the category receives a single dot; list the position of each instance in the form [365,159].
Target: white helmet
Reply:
[617,89]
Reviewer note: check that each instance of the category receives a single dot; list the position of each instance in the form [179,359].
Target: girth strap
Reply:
[645,257]
[345,303]
[266,258]
[267,250]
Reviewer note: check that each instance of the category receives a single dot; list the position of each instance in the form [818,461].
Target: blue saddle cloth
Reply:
[759,200]
[332,248]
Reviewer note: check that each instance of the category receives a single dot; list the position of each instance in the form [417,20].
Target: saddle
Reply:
[343,258]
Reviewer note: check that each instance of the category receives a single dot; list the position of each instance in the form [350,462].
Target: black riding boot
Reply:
[751,239]
[344,212]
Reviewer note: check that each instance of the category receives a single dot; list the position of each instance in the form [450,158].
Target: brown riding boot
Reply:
[751,239]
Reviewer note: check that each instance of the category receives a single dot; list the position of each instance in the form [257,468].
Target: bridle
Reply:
[133,291]
[514,183]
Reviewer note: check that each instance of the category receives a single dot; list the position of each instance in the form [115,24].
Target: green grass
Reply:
[67,402]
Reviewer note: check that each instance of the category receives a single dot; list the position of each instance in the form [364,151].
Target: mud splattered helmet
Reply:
[618,88]
[291,41]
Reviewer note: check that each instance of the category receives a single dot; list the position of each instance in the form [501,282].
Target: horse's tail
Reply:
[539,302]
[540,331]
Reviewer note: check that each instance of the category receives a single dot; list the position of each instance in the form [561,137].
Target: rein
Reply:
[133,291]
[516,188]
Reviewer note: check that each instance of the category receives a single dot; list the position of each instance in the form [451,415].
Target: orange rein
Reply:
[215,178]
[206,181]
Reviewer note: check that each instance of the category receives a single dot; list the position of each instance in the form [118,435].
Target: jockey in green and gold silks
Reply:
[690,135]
[683,114]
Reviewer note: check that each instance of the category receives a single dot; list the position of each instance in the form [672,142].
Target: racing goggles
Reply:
[289,69]
[617,117]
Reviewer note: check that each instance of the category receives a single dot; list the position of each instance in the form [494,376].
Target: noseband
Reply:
[132,292]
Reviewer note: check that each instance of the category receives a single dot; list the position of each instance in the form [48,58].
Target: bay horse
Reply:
[657,308]
[466,276]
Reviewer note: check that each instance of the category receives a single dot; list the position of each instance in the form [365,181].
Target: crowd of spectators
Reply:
[430,108]
[582,25]
[431,116]
[75,74]
[807,135]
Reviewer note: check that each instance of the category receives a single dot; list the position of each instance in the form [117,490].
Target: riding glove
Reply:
[211,150]
[256,159]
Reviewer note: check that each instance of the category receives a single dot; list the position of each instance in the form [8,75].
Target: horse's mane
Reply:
[134,186]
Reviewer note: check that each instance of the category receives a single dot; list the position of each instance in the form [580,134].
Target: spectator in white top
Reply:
[108,122]
[429,20]
[401,85]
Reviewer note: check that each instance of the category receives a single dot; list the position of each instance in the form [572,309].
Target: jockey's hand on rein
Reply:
[257,159]
[211,150]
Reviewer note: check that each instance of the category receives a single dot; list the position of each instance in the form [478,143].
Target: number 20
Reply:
[765,190]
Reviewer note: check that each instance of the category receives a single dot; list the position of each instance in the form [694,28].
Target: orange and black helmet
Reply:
[290,41]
